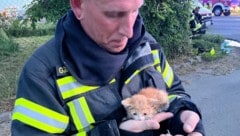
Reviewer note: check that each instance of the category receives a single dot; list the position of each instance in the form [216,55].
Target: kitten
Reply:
[147,103]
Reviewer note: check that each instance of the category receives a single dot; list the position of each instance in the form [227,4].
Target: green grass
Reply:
[206,43]
[11,64]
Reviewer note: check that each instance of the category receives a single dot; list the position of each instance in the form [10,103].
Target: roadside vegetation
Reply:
[19,38]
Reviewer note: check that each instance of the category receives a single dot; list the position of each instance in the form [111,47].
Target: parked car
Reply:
[218,7]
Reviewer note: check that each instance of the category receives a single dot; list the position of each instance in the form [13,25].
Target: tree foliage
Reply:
[166,20]
[52,10]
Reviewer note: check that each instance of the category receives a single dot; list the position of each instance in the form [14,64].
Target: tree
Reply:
[52,10]
[167,20]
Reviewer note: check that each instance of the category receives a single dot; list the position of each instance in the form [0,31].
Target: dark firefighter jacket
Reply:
[72,86]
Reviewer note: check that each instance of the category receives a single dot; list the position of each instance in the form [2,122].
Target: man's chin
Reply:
[117,49]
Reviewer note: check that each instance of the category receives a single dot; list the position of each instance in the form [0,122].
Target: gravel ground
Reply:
[182,67]
[221,66]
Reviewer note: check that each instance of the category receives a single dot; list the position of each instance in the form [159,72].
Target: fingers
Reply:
[165,135]
[192,134]
[162,116]
[139,126]
[195,134]
[190,120]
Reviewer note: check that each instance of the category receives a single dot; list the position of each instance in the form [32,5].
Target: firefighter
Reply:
[197,26]
[100,54]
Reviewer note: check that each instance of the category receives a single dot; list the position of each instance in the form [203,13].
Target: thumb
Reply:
[150,124]
[190,120]
[187,128]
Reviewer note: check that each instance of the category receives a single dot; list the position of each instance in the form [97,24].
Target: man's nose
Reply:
[127,24]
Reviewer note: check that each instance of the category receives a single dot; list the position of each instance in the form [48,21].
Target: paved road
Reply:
[228,27]
[219,96]
[219,100]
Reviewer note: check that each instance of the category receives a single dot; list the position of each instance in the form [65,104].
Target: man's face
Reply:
[109,22]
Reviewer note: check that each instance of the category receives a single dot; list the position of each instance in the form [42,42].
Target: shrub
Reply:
[7,45]
[166,21]
[22,28]
[203,45]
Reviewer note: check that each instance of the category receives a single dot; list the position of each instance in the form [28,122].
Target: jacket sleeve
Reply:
[38,110]
[179,99]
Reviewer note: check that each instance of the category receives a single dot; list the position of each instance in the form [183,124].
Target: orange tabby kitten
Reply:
[147,103]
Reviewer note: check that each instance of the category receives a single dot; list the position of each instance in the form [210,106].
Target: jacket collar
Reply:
[89,62]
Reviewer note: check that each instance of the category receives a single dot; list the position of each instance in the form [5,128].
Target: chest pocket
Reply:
[88,104]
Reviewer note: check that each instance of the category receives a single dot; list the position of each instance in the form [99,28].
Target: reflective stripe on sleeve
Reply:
[172,97]
[81,115]
[40,117]
[131,77]
[156,60]
[155,57]
[168,75]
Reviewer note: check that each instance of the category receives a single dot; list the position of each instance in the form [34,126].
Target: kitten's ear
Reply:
[126,102]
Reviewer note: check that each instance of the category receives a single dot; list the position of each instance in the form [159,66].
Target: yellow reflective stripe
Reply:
[35,123]
[39,117]
[130,78]
[198,25]
[168,75]
[81,114]
[113,81]
[173,97]
[77,91]
[156,57]
[42,110]
[86,110]
[74,114]
[66,80]
[159,68]
[69,87]
[81,134]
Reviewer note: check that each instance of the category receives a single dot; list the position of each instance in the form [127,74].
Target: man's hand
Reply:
[139,126]
[190,120]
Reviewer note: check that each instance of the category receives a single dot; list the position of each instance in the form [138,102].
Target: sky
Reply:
[10,3]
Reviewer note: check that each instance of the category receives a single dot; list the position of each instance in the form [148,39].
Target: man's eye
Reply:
[114,14]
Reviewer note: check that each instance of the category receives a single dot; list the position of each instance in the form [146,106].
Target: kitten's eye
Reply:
[134,113]
[144,114]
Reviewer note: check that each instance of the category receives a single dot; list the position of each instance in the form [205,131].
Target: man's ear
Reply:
[76,6]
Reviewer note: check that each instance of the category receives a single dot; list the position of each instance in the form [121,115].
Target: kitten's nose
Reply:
[142,118]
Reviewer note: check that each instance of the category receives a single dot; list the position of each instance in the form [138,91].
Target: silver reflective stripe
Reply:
[40,117]
[80,113]
[139,52]
[169,75]
[69,86]
[156,56]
